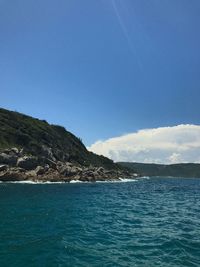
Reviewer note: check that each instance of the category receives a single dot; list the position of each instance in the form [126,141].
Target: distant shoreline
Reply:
[186,170]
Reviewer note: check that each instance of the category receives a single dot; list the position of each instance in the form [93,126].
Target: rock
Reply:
[87,178]
[15,150]
[13,174]
[92,176]
[59,164]
[60,155]
[31,174]
[48,167]
[65,170]
[77,169]
[40,170]
[89,174]
[47,153]
[27,162]
[3,167]
[8,159]
[51,163]
[73,171]
[69,170]
[52,175]
[100,170]
[77,177]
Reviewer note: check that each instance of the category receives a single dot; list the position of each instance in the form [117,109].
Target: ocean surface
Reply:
[149,222]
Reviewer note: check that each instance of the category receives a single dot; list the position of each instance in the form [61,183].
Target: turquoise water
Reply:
[153,222]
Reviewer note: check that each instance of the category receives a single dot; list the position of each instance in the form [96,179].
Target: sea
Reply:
[144,222]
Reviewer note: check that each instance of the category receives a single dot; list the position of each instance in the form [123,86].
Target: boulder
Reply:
[100,170]
[69,170]
[40,170]
[50,162]
[15,150]
[8,159]
[51,175]
[12,150]
[77,177]
[3,168]
[87,178]
[31,174]
[65,170]
[27,162]
[13,174]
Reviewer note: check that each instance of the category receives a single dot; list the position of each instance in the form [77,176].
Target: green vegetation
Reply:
[174,170]
[33,135]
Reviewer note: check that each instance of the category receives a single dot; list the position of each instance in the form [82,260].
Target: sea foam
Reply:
[120,180]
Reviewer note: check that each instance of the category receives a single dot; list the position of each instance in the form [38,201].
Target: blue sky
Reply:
[101,68]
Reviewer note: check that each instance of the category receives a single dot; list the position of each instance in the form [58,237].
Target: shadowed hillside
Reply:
[38,137]
[175,170]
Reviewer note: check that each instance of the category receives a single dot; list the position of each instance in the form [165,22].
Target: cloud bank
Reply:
[166,145]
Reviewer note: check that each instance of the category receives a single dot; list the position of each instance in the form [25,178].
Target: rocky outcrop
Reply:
[15,165]
[8,159]
[3,168]
[27,162]
[37,150]
[13,174]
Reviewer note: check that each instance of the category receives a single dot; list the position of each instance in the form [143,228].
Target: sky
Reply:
[104,69]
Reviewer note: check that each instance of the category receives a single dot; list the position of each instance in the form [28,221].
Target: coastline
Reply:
[30,182]
[16,166]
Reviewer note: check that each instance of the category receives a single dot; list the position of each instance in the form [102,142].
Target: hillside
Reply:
[38,137]
[33,150]
[175,170]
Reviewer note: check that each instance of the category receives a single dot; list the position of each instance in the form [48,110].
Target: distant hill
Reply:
[38,137]
[175,170]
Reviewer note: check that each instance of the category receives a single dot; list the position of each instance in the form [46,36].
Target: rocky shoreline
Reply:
[17,165]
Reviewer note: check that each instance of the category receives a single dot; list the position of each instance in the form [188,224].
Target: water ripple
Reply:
[154,222]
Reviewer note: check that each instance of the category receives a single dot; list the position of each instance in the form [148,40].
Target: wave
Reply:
[76,181]
[120,180]
[145,177]
[30,182]
[127,180]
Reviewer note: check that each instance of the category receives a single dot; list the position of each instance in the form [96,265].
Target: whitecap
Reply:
[31,182]
[20,182]
[126,180]
[76,181]
[120,180]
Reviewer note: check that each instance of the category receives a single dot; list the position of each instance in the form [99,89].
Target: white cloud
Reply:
[167,145]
